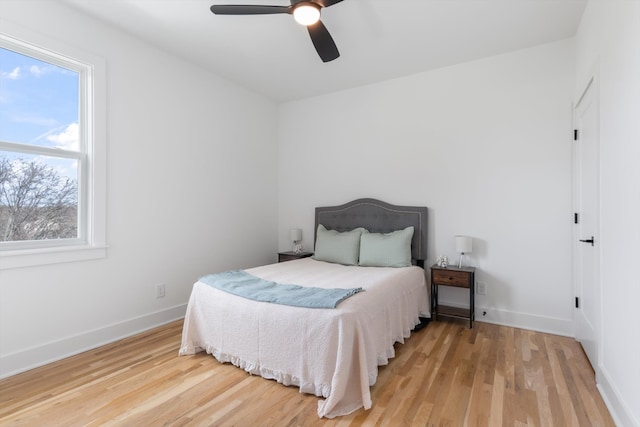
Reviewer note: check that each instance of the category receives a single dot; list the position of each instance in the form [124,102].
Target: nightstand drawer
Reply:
[460,279]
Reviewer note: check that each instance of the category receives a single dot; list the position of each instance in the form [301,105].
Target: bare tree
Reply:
[36,202]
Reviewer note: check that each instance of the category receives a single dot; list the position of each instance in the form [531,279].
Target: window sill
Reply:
[45,256]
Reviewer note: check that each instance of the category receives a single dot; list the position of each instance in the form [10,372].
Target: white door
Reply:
[587,244]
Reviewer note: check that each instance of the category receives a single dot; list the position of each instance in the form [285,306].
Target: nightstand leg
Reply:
[472,303]
[433,315]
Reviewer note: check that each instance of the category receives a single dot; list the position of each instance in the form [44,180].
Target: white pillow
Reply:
[386,250]
[341,248]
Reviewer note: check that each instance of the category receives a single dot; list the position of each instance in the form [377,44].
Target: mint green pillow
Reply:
[341,248]
[386,250]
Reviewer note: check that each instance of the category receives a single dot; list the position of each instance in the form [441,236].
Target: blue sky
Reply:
[38,102]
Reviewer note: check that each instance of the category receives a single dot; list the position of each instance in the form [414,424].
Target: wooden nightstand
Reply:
[457,277]
[289,256]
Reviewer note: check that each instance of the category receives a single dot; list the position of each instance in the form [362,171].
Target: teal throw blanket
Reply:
[243,284]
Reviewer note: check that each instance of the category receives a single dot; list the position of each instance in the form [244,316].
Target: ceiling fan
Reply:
[304,12]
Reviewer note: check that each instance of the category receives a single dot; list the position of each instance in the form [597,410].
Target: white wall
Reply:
[191,189]
[608,41]
[486,145]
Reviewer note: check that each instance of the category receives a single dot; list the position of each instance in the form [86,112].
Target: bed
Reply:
[332,353]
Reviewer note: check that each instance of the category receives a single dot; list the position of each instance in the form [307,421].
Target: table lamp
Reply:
[463,245]
[295,235]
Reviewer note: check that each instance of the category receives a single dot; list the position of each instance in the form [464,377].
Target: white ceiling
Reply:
[377,39]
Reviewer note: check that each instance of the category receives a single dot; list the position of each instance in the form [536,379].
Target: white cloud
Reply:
[37,71]
[67,139]
[11,75]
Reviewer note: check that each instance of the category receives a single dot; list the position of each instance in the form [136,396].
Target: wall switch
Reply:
[482,288]
[160,290]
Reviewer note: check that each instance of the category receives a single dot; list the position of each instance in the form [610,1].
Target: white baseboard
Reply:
[14,363]
[619,410]
[514,319]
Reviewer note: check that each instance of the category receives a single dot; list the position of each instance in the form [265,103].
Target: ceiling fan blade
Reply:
[323,42]
[248,9]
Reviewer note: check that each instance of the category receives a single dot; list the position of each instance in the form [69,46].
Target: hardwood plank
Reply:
[445,374]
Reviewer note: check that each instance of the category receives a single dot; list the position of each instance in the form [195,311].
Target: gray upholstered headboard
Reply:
[378,217]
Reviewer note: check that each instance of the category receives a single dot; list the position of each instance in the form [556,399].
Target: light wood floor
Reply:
[444,375]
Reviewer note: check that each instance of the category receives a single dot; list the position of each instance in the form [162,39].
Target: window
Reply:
[51,155]
[42,152]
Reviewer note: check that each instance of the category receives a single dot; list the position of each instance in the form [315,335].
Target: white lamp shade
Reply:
[295,234]
[464,244]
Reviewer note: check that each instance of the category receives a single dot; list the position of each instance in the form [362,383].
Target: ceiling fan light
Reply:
[306,14]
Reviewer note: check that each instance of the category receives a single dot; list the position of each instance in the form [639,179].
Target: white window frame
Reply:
[91,241]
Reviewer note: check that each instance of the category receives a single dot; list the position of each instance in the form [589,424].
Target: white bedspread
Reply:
[334,353]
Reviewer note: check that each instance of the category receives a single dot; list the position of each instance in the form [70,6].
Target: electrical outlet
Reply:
[482,288]
[160,290]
